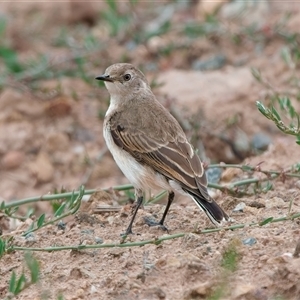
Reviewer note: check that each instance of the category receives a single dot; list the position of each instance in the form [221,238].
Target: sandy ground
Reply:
[51,138]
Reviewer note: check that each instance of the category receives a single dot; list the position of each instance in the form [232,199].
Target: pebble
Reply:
[12,160]
[30,237]
[79,294]
[208,7]
[244,290]
[260,142]
[213,174]
[93,289]
[240,207]
[61,225]
[98,240]
[87,231]
[249,241]
[200,291]
[275,202]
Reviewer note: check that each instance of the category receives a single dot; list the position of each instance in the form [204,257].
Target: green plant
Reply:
[18,284]
[116,21]
[287,109]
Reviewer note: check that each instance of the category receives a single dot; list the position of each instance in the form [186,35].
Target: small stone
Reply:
[117,252]
[110,220]
[243,290]
[204,288]
[80,294]
[29,237]
[98,240]
[240,207]
[200,291]
[87,231]
[61,225]
[275,202]
[158,292]
[12,160]
[208,7]
[260,142]
[213,174]
[93,289]
[249,241]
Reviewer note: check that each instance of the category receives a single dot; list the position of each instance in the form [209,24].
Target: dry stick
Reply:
[155,241]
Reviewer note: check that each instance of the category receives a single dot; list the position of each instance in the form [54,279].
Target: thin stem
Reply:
[155,241]
[255,169]
[271,175]
[62,195]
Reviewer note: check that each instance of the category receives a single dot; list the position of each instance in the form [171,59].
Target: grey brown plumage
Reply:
[155,141]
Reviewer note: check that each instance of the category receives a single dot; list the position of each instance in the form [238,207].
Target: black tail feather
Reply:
[215,213]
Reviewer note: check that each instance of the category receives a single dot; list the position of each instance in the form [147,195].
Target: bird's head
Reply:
[123,79]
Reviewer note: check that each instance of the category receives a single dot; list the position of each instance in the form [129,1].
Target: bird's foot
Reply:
[150,222]
[127,232]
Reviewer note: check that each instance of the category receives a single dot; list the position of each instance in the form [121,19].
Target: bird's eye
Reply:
[127,77]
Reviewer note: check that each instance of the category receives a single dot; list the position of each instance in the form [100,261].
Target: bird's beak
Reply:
[104,77]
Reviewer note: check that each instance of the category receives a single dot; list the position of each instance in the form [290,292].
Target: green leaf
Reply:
[60,210]
[12,283]
[112,5]
[266,221]
[20,283]
[40,221]
[275,113]
[2,247]
[2,27]
[33,267]
[262,108]
[10,59]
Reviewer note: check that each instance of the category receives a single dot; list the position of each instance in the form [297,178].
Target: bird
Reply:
[149,145]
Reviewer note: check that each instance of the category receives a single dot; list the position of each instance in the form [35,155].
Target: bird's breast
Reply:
[141,176]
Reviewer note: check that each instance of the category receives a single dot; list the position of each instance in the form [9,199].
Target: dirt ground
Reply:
[51,115]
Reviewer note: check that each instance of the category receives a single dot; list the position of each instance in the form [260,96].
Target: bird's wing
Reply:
[172,157]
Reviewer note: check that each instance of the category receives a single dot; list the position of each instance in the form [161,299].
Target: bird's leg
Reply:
[139,196]
[161,222]
[170,200]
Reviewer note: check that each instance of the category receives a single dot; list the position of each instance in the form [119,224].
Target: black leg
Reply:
[170,200]
[138,204]
[151,222]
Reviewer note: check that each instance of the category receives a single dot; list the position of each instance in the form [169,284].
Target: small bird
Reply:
[149,145]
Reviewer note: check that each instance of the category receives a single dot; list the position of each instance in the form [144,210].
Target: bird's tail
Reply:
[215,213]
